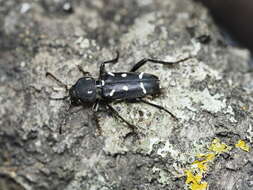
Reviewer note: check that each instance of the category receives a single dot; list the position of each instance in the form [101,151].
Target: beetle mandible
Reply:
[129,86]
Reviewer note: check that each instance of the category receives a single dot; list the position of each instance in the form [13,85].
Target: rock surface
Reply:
[210,94]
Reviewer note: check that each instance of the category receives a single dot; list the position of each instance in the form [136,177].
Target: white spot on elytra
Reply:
[88,78]
[89,91]
[124,75]
[102,82]
[125,88]
[109,73]
[112,92]
[141,75]
[143,88]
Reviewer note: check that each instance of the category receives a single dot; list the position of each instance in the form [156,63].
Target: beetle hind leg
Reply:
[132,127]
[159,107]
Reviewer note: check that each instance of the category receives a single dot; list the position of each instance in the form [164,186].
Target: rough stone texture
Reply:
[210,94]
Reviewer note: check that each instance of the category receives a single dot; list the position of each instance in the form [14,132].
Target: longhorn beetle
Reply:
[129,86]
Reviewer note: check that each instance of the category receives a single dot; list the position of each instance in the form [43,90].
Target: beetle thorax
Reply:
[84,91]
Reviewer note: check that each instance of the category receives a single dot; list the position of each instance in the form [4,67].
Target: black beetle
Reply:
[110,87]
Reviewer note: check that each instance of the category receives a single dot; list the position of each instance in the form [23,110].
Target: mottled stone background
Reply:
[210,94]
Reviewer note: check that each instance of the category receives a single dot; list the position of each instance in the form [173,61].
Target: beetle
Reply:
[111,87]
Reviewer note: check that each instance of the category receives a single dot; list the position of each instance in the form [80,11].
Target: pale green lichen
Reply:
[140,30]
[169,148]
[164,178]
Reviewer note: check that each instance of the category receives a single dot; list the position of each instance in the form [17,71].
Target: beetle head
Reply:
[84,91]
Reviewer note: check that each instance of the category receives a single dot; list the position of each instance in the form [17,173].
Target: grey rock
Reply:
[211,94]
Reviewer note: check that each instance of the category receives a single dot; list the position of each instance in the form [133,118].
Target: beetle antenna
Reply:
[60,83]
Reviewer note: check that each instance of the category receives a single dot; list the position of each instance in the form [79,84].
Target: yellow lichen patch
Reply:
[207,157]
[191,178]
[219,147]
[201,186]
[194,175]
[202,163]
[194,181]
[242,145]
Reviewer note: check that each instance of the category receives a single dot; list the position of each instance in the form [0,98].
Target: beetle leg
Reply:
[158,106]
[114,60]
[145,60]
[69,112]
[82,71]
[131,126]
[102,66]
[98,130]
[95,106]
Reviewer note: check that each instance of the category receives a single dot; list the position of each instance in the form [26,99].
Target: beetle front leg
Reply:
[145,60]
